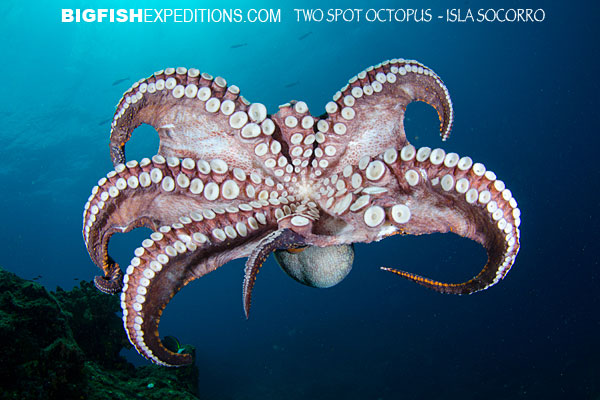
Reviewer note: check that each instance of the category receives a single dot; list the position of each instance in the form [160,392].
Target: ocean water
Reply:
[525,99]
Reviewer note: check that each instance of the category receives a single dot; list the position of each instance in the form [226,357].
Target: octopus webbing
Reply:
[232,181]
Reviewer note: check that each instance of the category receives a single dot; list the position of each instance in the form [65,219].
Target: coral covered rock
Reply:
[66,345]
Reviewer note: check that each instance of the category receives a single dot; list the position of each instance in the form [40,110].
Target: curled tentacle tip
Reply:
[108,286]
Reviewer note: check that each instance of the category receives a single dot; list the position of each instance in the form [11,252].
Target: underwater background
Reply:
[526,105]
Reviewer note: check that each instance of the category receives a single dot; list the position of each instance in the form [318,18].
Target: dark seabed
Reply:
[525,98]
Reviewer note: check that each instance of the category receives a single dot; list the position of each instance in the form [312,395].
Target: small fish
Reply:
[104,121]
[172,343]
[307,34]
[115,83]
[289,85]
[237,46]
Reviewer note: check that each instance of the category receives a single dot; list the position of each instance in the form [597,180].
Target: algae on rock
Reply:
[66,345]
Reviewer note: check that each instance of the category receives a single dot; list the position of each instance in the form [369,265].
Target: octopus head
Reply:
[318,267]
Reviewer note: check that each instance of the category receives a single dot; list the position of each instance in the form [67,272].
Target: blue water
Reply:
[525,98]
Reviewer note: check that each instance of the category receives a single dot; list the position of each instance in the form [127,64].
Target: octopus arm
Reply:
[155,194]
[196,117]
[450,212]
[410,191]
[367,115]
[453,194]
[278,240]
[112,281]
[165,267]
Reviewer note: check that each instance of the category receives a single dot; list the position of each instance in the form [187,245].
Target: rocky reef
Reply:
[66,345]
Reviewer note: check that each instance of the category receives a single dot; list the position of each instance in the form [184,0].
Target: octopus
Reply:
[232,181]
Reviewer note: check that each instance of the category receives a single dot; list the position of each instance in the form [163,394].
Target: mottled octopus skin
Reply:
[318,267]
[230,181]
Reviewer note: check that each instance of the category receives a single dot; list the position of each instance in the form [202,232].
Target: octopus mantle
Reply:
[232,181]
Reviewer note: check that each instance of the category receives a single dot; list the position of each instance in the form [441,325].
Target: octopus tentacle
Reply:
[167,261]
[466,199]
[199,117]
[280,239]
[367,114]
[106,213]
[134,195]
[168,100]
[476,205]
[299,138]
[112,282]
[423,191]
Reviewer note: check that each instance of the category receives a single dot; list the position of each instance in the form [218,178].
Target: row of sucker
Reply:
[208,182]
[333,130]
[358,188]
[200,232]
